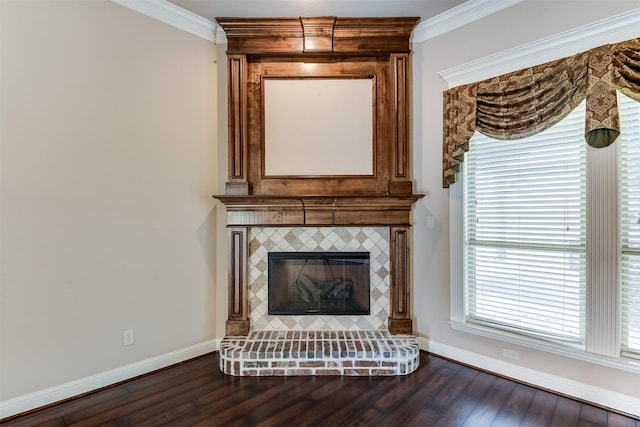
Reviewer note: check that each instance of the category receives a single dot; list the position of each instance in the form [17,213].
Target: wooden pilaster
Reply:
[400,321]
[238,151]
[238,320]
[399,183]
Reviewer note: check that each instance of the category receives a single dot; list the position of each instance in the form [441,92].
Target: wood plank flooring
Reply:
[439,393]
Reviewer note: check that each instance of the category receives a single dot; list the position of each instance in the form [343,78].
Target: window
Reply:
[531,216]
[525,231]
[630,224]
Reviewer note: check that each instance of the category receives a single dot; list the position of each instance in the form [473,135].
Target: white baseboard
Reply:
[587,392]
[74,388]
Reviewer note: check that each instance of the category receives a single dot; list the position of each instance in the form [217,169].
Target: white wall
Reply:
[522,23]
[108,163]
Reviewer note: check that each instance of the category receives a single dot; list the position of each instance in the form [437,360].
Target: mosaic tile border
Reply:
[374,240]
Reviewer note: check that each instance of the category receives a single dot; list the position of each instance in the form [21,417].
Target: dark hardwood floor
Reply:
[439,393]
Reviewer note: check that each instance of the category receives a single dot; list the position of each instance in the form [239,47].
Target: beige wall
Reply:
[525,22]
[108,162]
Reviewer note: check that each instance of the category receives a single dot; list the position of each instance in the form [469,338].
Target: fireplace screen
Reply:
[319,283]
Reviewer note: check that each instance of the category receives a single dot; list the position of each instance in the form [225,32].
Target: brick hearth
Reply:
[290,353]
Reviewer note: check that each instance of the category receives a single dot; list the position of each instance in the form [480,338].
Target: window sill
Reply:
[625,364]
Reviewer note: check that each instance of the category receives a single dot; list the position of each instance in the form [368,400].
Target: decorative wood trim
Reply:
[400,326]
[238,312]
[264,35]
[400,321]
[400,184]
[373,35]
[238,152]
[375,48]
[318,33]
[400,105]
[318,210]
[298,35]
[376,69]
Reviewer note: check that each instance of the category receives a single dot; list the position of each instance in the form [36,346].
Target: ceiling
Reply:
[210,9]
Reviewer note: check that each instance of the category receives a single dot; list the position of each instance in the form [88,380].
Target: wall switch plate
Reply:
[128,337]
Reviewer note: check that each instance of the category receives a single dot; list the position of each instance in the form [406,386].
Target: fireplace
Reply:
[333,283]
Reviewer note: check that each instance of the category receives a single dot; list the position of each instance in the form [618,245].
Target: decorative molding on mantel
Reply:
[174,15]
[336,210]
[325,34]
[467,12]
[580,390]
[614,29]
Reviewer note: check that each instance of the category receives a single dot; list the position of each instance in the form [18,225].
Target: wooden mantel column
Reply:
[237,107]
[400,321]
[238,318]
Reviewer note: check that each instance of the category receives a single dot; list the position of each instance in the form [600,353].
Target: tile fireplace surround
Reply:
[263,240]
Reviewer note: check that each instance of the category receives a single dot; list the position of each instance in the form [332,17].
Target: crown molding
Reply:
[174,15]
[169,13]
[614,29]
[467,12]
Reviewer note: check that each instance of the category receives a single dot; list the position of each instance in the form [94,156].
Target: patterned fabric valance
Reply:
[528,101]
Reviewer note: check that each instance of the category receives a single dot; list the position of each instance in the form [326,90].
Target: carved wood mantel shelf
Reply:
[319,210]
[261,51]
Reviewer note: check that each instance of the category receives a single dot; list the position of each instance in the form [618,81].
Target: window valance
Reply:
[528,101]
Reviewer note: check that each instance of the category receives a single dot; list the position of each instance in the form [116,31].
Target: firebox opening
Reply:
[334,283]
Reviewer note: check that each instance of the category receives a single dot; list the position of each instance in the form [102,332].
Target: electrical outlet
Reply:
[127,337]
[510,354]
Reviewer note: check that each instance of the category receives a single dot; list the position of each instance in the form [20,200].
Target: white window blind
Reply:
[525,233]
[630,223]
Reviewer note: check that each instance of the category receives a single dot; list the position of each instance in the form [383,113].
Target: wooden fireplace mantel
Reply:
[261,50]
[303,210]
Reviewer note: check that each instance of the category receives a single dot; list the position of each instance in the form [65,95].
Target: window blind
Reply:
[630,223]
[525,233]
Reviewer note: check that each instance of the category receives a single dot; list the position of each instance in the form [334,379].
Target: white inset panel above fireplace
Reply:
[318,127]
